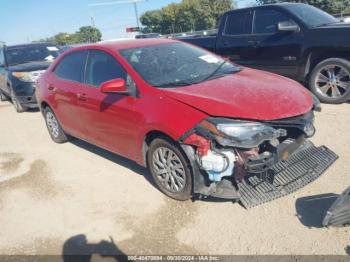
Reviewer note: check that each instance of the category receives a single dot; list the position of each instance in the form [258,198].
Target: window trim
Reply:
[86,84]
[237,35]
[82,68]
[273,9]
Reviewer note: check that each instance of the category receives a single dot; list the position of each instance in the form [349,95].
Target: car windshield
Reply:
[32,53]
[311,16]
[177,64]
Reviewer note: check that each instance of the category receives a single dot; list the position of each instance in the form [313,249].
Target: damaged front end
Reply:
[254,162]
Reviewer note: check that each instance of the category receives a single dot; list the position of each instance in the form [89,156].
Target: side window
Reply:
[102,67]
[266,21]
[70,67]
[238,23]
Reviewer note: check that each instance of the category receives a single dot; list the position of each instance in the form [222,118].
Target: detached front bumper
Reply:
[303,167]
[254,163]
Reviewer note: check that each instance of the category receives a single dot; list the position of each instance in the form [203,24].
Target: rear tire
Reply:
[170,169]
[16,104]
[54,127]
[330,81]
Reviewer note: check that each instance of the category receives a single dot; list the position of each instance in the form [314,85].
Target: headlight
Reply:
[28,76]
[242,134]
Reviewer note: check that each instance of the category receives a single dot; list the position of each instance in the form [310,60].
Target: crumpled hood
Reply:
[249,94]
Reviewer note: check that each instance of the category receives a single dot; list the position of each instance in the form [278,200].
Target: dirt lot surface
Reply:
[75,197]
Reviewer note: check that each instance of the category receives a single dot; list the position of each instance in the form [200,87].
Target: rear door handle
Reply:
[82,97]
[254,43]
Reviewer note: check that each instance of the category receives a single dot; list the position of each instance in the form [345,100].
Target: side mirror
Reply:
[288,26]
[116,86]
[2,65]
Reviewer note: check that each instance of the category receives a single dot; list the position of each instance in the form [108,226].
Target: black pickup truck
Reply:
[295,40]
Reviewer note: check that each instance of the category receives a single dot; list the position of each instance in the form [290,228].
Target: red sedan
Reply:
[202,125]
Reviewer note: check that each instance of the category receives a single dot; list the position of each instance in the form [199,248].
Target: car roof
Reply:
[283,4]
[126,44]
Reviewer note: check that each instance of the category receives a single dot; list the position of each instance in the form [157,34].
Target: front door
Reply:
[275,51]
[109,119]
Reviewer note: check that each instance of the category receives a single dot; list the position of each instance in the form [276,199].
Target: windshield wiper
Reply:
[212,75]
[174,84]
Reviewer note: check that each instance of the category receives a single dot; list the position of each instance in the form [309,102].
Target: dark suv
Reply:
[20,67]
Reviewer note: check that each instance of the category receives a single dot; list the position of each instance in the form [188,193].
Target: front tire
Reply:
[16,104]
[54,127]
[170,169]
[330,81]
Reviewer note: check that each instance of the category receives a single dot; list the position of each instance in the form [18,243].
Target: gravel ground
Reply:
[75,198]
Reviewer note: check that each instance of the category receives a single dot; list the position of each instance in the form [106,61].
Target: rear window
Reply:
[70,67]
[238,23]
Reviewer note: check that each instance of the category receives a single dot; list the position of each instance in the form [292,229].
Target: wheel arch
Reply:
[317,56]
[43,106]
[147,140]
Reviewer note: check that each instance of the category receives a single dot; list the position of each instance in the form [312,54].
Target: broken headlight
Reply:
[241,134]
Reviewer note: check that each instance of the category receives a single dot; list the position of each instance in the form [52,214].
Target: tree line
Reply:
[85,34]
[188,15]
[330,6]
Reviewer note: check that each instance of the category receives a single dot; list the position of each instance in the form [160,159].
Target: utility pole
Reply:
[116,2]
[136,14]
[92,21]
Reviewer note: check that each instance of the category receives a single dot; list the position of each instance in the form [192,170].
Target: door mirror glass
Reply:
[117,86]
[288,26]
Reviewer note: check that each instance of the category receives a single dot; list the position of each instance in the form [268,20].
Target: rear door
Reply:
[277,52]
[63,87]
[109,119]
[234,37]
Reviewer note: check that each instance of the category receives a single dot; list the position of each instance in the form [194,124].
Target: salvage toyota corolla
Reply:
[202,125]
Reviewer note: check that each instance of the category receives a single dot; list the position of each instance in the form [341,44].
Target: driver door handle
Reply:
[82,97]
[254,43]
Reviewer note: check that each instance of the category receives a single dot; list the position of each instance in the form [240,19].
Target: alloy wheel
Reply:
[52,124]
[333,81]
[169,169]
